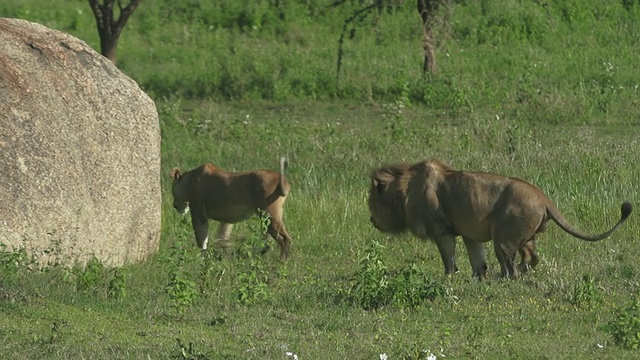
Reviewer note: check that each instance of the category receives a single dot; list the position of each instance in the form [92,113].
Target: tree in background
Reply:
[428,12]
[431,20]
[109,28]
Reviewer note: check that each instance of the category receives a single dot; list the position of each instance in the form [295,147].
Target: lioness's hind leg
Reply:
[277,231]
[476,257]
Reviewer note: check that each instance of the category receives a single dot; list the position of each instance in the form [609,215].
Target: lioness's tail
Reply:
[284,185]
[555,214]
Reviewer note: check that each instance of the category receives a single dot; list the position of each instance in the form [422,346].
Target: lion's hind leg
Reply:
[529,256]
[506,254]
[223,235]
[476,257]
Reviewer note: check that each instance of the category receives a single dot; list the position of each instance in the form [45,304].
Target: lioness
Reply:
[433,200]
[229,197]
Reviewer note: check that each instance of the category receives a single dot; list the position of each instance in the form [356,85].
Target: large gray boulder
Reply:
[79,152]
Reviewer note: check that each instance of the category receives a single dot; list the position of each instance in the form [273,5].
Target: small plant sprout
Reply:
[180,288]
[252,282]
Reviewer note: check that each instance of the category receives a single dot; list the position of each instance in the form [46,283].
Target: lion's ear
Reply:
[378,184]
[175,174]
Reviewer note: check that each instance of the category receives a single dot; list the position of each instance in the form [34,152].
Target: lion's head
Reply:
[180,196]
[387,196]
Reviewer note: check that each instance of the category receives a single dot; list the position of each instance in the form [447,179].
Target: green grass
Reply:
[587,171]
[547,94]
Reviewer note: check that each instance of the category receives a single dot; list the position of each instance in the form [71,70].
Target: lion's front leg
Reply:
[476,257]
[447,247]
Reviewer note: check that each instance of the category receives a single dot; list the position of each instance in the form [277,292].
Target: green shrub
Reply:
[370,289]
[412,286]
[375,286]
[625,327]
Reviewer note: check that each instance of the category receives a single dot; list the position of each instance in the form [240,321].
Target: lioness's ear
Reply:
[175,174]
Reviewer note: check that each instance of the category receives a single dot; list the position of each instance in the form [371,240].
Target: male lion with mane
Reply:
[229,197]
[433,200]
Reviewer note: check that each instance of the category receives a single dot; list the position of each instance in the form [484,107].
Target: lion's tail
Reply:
[554,213]
[284,185]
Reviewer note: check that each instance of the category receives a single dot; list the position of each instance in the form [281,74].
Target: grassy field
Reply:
[557,107]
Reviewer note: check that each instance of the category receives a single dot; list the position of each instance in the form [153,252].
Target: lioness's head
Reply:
[180,199]
[386,199]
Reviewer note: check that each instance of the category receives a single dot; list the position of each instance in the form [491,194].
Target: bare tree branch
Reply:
[360,13]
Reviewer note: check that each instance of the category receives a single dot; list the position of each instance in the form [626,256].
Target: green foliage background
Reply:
[544,91]
[537,60]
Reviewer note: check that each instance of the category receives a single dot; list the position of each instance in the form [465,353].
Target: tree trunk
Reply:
[109,28]
[427,9]
[109,46]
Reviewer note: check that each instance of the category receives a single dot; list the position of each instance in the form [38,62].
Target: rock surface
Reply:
[79,152]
